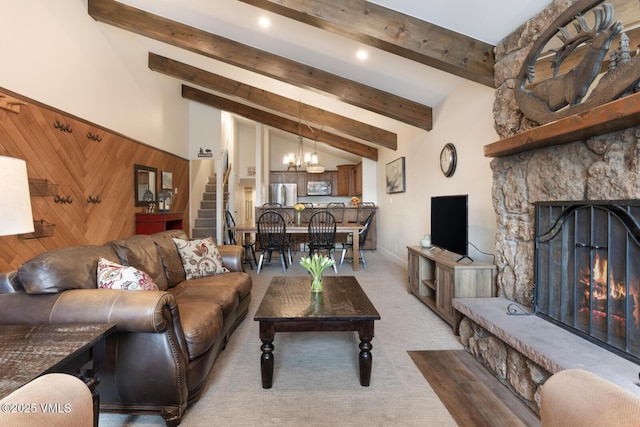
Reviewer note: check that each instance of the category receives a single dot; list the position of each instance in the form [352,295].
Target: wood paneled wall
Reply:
[81,167]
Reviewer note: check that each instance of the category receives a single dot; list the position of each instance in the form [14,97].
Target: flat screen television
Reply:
[449,223]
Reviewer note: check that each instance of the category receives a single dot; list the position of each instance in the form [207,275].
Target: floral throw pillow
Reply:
[116,276]
[200,258]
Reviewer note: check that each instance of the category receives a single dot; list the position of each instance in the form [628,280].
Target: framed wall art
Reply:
[396,182]
[167,180]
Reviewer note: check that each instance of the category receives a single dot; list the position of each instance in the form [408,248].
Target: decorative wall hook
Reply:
[62,128]
[93,200]
[62,200]
[94,137]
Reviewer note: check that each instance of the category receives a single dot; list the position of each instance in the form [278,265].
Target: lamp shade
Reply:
[15,202]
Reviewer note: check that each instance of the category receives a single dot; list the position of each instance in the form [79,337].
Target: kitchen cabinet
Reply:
[284,177]
[302,183]
[344,172]
[276,178]
[357,179]
[334,183]
[290,177]
[349,180]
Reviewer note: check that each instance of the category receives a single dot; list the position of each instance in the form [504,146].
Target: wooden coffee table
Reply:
[29,351]
[289,306]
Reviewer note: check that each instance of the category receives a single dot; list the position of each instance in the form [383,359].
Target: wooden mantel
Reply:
[613,116]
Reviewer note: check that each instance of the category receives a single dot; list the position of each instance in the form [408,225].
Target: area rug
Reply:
[316,381]
[470,393]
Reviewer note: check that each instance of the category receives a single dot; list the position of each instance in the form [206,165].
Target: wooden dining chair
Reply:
[307,212]
[288,219]
[363,210]
[362,239]
[272,236]
[322,234]
[249,246]
[337,210]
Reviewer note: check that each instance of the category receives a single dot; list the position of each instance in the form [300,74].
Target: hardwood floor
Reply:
[471,394]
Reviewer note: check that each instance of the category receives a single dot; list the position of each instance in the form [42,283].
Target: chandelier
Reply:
[311,159]
[295,160]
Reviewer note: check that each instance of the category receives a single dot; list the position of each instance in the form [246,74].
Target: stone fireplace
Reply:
[585,166]
[591,166]
[586,277]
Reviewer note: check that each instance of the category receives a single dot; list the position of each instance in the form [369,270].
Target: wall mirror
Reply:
[145,182]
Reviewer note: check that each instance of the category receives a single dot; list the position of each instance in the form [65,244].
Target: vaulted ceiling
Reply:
[412,64]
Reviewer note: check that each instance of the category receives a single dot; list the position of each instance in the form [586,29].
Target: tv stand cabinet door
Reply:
[445,291]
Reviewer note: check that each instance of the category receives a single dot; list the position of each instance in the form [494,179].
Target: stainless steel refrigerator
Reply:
[285,194]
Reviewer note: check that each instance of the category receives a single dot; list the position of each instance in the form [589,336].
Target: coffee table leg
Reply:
[267,334]
[90,375]
[365,333]
[91,380]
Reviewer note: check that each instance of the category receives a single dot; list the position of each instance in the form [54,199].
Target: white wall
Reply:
[205,131]
[369,180]
[246,140]
[464,119]
[55,53]
[244,190]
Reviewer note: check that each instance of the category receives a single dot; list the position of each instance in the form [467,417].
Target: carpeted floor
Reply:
[316,379]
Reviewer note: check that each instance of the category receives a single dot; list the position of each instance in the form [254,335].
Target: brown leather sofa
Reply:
[165,342]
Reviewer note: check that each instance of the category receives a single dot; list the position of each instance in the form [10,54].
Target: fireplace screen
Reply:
[587,272]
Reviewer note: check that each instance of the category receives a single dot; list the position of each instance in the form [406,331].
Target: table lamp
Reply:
[15,202]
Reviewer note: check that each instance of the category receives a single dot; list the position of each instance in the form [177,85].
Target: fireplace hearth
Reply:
[587,271]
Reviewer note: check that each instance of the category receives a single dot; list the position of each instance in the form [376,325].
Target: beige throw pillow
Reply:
[116,276]
[200,258]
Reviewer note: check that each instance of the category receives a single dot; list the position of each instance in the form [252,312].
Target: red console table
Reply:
[150,223]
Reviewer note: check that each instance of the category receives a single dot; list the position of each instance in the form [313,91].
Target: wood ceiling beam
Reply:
[271,101]
[393,32]
[198,41]
[278,122]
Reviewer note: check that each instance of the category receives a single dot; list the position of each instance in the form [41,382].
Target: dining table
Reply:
[341,228]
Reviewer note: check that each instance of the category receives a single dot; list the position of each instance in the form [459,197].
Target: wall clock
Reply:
[448,159]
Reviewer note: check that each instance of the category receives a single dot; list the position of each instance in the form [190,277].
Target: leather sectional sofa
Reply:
[166,341]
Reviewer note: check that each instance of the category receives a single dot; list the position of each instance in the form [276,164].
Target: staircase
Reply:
[205,222]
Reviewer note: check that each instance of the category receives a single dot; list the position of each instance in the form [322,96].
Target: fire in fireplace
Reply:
[587,272]
[600,292]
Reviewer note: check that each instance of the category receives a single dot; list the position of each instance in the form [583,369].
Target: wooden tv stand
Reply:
[437,276]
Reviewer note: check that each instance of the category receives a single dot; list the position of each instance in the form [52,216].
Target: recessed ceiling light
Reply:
[264,22]
[362,54]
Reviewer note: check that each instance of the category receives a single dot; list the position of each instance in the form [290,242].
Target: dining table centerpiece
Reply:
[298,207]
[316,264]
